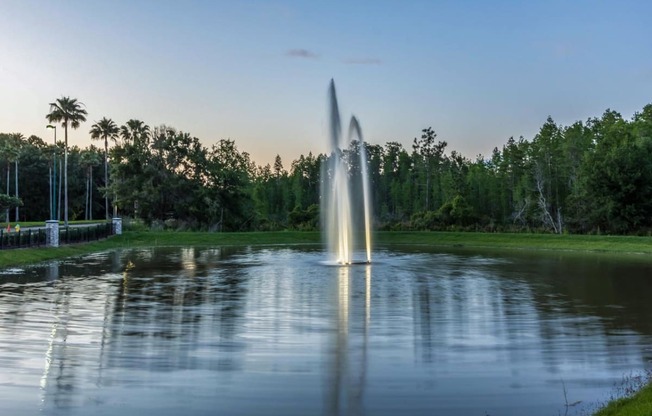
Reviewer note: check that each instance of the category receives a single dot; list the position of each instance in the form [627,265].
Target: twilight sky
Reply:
[257,72]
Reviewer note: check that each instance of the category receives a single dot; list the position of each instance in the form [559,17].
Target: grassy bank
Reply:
[639,404]
[26,224]
[612,244]
[616,244]
[18,257]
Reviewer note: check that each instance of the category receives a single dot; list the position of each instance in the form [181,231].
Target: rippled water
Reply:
[275,331]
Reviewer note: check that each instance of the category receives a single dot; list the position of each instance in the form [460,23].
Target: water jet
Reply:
[345,190]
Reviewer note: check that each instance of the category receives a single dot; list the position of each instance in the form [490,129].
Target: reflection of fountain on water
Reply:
[347,363]
[442,333]
[344,208]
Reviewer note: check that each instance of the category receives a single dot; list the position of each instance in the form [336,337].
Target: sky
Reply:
[257,72]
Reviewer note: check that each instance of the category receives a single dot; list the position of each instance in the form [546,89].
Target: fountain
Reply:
[345,192]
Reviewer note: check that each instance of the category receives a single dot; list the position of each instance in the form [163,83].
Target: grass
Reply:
[24,224]
[16,257]
[610,244]
[640,404]
[616,244]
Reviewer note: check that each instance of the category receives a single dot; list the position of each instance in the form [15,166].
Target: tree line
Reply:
[593,176]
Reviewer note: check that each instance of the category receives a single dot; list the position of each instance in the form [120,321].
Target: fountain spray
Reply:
[337,201]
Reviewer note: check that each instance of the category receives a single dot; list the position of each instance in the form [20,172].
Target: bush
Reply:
[304,219]
[171,224]
[133,224]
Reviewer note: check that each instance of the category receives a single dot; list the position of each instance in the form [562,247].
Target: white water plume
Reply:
[345,195]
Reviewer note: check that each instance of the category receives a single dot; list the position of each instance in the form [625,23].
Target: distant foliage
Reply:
[589,177]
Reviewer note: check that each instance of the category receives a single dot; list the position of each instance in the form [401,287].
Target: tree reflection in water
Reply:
[191,330]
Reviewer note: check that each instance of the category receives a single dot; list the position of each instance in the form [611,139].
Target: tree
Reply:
[7,202]
[578,145]
[135,132]
[428,155]
[105,129]
[229,177]
[131,159]
[279,196]
[161,176]
[388,190]
[548,174]
[483,194]
[18,139]
[278,166]
[10,146]
[34,159]
[89,158]
[617,174]
[67,111]
[175,173]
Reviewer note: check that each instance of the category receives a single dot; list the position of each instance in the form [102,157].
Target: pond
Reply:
[276,331]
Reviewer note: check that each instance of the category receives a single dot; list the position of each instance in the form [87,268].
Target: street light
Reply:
[53,178]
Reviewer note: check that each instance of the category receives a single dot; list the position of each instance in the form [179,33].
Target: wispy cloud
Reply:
[363,61]
[301,53]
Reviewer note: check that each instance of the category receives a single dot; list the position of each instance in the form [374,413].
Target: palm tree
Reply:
[135,132]
[68,111]
[135,137]
[105,129]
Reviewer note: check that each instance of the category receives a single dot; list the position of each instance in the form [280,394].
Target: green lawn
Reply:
[608,244]
[24,224]
[619,244]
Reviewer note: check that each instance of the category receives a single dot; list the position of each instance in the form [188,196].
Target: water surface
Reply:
[275,331]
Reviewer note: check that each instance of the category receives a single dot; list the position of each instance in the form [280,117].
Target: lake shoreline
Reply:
[614,245]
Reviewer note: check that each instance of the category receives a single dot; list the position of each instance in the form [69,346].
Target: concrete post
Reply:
[117,226]
[52,233]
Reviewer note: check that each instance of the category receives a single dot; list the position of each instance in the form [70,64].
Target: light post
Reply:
[53,178]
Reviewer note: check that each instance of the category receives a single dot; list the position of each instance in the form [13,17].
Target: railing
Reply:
[67,235]
[18,239]
[71,235]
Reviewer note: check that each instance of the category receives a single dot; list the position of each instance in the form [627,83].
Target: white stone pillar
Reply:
[52,233]
[117,225]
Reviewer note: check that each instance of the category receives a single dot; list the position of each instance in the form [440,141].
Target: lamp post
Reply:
[53,178]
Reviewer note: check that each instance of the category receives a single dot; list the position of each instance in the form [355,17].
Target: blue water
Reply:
[276,331]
